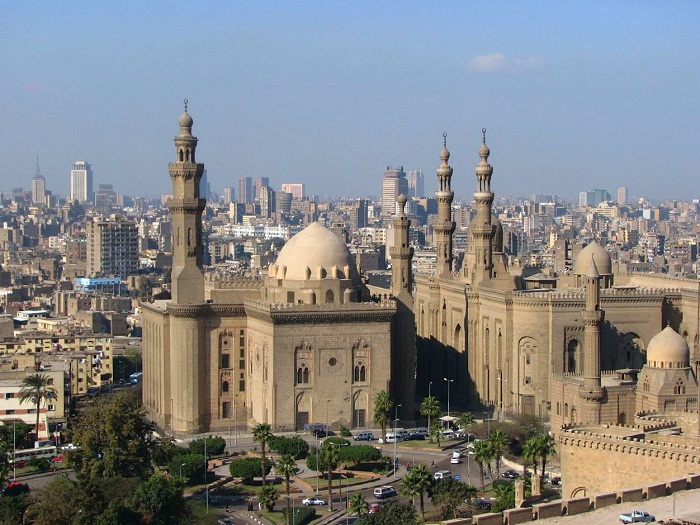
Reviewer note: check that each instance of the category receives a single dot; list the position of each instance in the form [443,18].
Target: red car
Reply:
[374,508]
[57,459]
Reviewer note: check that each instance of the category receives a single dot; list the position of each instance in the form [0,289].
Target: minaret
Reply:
[593,316]
[478,260]
[186,210]
[444,227]
[403,359]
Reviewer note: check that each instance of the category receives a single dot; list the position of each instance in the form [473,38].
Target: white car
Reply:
[454,460]
[313,501]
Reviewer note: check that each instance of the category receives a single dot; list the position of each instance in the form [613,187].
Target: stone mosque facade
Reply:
[306,344]
[572,353]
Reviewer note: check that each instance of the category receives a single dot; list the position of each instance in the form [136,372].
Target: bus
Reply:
[21,458]
[135,378]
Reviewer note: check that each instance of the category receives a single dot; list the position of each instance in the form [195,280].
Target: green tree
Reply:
[382,405]
[418,481]
[531,452]
[65,502]
[188,465]
[436,433]
[505,497]
[470,493]
[359,454]
[332,458]
[499,441]
[295,446]
[215,446]
[546,447]
[430,406]
[482,456]
[163,450]
[114,439]
[287,468]
[267,496]
[159,500]
[262,433]
[249,468]
[12,508]
[37,389]
[358,505]
[448,495]
[391,514]
[465,421]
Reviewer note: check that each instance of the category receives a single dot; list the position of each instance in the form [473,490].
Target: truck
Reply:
[637,516]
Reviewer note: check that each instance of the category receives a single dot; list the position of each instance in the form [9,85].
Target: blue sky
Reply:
[574,95]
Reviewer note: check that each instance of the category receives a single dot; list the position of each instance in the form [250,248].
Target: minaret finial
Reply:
[444,139]
[185,102]
[483,133]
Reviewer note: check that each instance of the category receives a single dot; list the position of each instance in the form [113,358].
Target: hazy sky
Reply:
[574,95]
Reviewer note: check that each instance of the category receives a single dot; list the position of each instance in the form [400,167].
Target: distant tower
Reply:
[622,195]
[592,391]
[394,184]
[38,186]
[260,183]
[245,190]
[444,226]
[81,182]
[415,183]
[478,263]
[403,371]
[186,208]
[228,195]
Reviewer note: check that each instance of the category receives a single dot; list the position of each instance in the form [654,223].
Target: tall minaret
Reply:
[403,359]
[444,227]
[186,210]
[478,263]
[592,391]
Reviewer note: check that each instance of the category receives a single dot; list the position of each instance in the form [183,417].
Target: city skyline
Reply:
[573,97]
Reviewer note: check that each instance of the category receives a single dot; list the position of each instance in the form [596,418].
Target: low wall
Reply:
[547,510]
[604,500]
[515,516]
[655,491]
[576,506]
[694,481]
[677,484]
[458,521]
[488,519]
[629,495]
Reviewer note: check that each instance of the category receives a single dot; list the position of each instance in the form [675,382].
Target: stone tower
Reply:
[403,365]
[478,264]
[444,227]
[592,391]
[186,210]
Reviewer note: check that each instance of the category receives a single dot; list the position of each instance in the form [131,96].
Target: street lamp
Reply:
[327,403]
[430,400]
[448,394]
[396,418]
[181,468]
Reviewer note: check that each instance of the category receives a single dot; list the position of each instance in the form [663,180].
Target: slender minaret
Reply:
[403,359]
[478,260]
[443,226]
[593,316]
[186,210]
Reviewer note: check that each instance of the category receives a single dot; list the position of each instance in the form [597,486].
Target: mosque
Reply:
[307,344]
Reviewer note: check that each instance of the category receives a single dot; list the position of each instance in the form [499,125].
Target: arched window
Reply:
[329,296]
[187,155]
[363,373]
[679,388]
[182,157]
[566,409]
[306,375]
[356,375]
[572,351]
[224,387]
[302,375]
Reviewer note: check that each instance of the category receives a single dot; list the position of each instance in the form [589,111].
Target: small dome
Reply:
[316,247]
[401,199]
[497,233]
[668,349]
[601,258]
[185,120]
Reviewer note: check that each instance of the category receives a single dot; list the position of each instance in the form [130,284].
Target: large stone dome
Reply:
[668,349]
[316,253]
[601,258]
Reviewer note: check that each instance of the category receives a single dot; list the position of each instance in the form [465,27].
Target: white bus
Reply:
[21,458]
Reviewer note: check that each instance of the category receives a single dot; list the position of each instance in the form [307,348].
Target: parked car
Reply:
[313,501]
[637,516]
[510,474]
[374,508]
[556,480]
[442,474]
[363,436]
[482,503]
[386,491]
[414,436]
[454,460]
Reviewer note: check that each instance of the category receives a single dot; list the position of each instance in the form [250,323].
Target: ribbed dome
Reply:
[312,249]
[601,258]
[668,349]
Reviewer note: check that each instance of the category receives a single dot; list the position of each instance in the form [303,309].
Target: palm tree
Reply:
[465,421]
[436,433]
[546,448]
[470,493]
[482,456]
[382,405]
[430,406]
[262,433]
[499,441]
[358,505]
[37,388]
[418,480]
[267,496]
[531,451]
[332,458]
[286,467]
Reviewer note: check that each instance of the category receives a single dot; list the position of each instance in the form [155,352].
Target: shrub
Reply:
[311,461]
[42,464]
[345,432]
[215,446]
[190,465]
[294,446]
[359,454]
[302,515]
[335,441]
[249,468]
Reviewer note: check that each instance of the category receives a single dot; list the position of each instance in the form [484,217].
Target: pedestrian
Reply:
[226,508]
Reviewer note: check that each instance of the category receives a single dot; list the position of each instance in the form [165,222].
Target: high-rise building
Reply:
[393,185]
[229,195]
[415,184]
[204,188]
[105,197]
[593,198]
[283,201]
[260,182]
[267,201]
[622,195]
[357,214]
[245,190]
[81,182]
[38,186]
[297,189]
[112,247]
